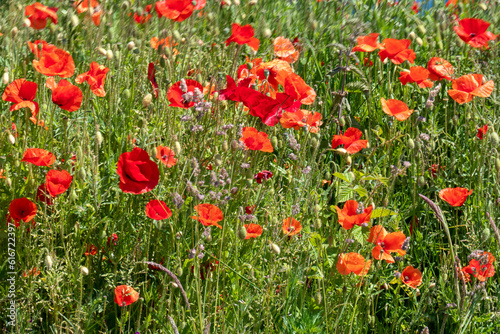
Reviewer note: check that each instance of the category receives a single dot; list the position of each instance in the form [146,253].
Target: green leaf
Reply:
[382,212]
[361,191]
[357,234]
[346,192]
[348,177]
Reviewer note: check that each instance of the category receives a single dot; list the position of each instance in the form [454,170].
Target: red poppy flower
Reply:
[418,75]
[414,8]
[95,77]
[32,272]
[146,15]
[300,119]
[138,173]
[434,170]
[353,263]
[175,93]
[57,182]
[38,15]
[439,69]
[411,277]
[155,42]
[22,209]
[21,93]
[349,217]
[455,196]
[231,93]
[367,43]
[112,239]
[91,250]
[468,86]
[42,195]
[253,230]
[277,71]
[166,156]
[386,243]
[397,51]
[255,140]
[66,95]
[208,215]
[351,140]
[243,35]
[367,62]
[296,87]
[473,32]
[291,226]
[83,6]
[264,175]
[125,295]
[152,78]
[249,209]
[481,268]
[284,50]
[396,108]
[482,131]
[177,10]
[158,210]
[53,62]
[45,47]
[38,157]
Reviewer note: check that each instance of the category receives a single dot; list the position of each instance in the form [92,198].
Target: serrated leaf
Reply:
[344,176]
[346,192]
[356,87]
[382,212]
[361,191]
[357,234]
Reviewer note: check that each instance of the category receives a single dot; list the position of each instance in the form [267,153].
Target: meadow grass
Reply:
[274,283]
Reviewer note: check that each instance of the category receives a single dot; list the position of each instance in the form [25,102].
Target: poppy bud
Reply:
[12,139]
[342,121]
[421,181]
[274,248]
[234,145]
[497,165]
[485,234]
[209,238]
[177,36]
[495,140]
[411,144]
[266,73]
[5,77]
[126,94]
[341,151]
[102,51]
[317,224]
[131,45]
[242,232]
[99,138]
[177,148]
[318,297]
[199,78]
[316,208]
[74,20]
[109,54]
[314,142]
[419,41]
[314,24]
[274,141]
[349,160]
[267,33]
[252,2]
[26,22]
[328,175]
[125,5]
[412,36]
[73,196]
[483,6]
[14,32]
[8,181]
[225,146]
[218,160]
[84,270]
[422,29]
[146,101]
[249,66]
[136,51]
[48,262]
[385,202]
[82,174]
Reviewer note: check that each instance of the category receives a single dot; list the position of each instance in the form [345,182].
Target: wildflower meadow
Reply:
[249,166]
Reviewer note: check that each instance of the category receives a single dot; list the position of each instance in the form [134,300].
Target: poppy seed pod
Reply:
[485,234]
[225,146]
[48,262]
[234,145]
[421,181]
[126,94]
[8,182]
[342,121]
[14,32]
[274,248]
[5,77]
[218,160]
[412,35]
[419,41]
[82,174]
[274,141]
[73,196]
[146,101]
[131,45]
[109,55]
[84,270]
[242,232]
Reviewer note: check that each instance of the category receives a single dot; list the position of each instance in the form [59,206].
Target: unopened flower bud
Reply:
[177,148]
[274,248]
[252,2]
[146,101]
[8,182]
[99,138]
[242,232]
[274,141]
[131,45]
[14,32]
[177,36]
[109,55]
[318,298]
[48,262]
[267,33]
[412,36]
[12,139]
[349,160]
[234,145]
[5,77]
[411,144]
[26,22]
[494,138]
[74,20]
[421,181]
[82,174]
[102,51]
[419,41]
[84,270]
[225,146]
